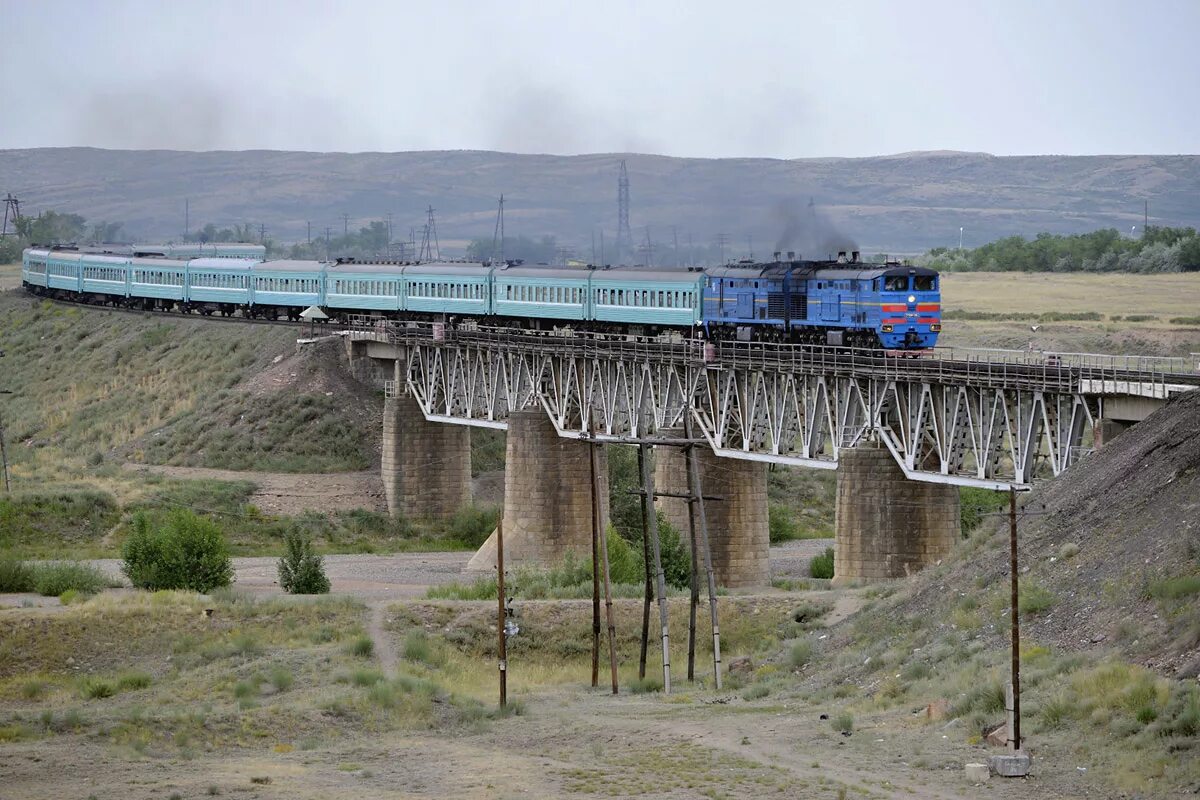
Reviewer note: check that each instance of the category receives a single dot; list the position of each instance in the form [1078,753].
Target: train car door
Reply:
[745,305]
[831,307]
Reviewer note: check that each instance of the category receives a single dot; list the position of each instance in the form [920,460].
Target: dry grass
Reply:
[1043,292]
[455,642]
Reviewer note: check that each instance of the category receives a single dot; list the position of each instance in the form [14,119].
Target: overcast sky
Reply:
[784,79]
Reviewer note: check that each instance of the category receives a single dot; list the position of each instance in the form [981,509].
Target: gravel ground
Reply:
[407,575]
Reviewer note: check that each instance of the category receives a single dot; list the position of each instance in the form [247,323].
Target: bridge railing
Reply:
[1015,369]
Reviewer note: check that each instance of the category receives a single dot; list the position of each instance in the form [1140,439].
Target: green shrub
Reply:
[366,677]
[781,524]
[625,564]
[756,691]
[822,566]
[417,647]
[362,647]
[975,504]
[301,570]
[472,525]
[281,678]
[646,685]
[1185,320]
[676,559]
[801,653]
[15,576]
[96,688]
[133,680]
[1175,588]
[187,552]
[1034,598]
[55,579]
[843,723]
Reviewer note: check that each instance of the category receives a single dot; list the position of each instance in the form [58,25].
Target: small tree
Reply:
[187,552]
[301,570]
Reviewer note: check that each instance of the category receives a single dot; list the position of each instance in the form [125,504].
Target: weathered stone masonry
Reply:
[887,525]
[547,496]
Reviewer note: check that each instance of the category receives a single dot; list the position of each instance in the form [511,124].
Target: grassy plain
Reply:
[1108,294]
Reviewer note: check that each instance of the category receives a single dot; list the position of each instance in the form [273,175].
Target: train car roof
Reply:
[223,263]
[366,268]
[171,263]
[106,258]
[288,265]
[542,271]
[735,271]
[646,274]
[436,268]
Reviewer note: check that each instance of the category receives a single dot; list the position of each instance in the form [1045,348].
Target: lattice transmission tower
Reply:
[624,234]
[12,211]
[430,251]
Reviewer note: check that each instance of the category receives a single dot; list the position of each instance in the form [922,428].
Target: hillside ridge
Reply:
[905,201]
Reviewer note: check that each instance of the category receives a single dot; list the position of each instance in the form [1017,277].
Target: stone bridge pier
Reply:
[888,526]
[426,466]
[738,524]
[547,496]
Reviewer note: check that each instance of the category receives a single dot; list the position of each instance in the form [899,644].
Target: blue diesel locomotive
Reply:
[842,302]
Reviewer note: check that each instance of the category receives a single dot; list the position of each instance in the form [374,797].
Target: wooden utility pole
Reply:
[656,549]
[1016,625]
[3,447]
[694,601]
[595,575]
[649,576]
[598,525]
[698,502]
[501,615]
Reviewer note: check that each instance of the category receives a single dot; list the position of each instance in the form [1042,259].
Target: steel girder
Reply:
[991,437]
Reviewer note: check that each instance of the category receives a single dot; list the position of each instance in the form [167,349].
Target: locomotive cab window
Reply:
[924,283]
[895,283]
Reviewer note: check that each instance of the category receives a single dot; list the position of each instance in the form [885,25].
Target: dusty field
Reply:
[10,276]
[289,493]
[200,723]
[1039,292]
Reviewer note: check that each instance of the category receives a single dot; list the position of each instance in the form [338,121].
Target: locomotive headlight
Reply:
[887,328]
[912,298]
[935,327]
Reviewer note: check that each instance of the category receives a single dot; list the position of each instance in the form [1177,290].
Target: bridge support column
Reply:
[888,526]
[426,465]
[738,528]
[547,496]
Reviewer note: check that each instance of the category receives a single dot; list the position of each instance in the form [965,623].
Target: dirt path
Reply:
[291,493]
[377,630]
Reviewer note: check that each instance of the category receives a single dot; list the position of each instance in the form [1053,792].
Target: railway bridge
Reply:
[903,433]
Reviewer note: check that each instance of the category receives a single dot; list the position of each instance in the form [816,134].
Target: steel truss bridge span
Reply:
[992,419]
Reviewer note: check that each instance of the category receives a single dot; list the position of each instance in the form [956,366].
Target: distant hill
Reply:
[901,203]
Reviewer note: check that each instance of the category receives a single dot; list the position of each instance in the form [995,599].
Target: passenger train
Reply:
[836,302]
